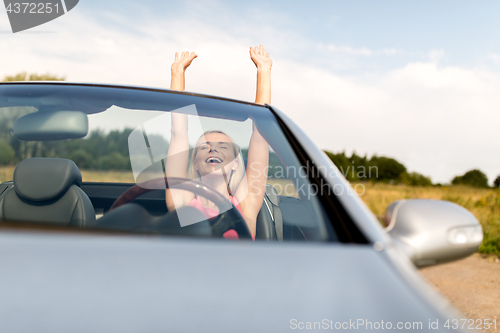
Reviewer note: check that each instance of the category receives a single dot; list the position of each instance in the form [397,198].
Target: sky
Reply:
[416,81]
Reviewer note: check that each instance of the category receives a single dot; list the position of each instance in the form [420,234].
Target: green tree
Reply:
[354,167]
[474,178]
[387,168]
[82,159]
[8,115]
[114,161]
[377,168]
[496,183]
[342,162]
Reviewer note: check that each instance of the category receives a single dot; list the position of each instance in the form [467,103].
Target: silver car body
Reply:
[61,281]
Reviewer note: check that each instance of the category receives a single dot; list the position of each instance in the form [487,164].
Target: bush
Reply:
[345,165]
[82,159]
[496,183]
[415,179]
[114,161]
[358,168]
[387,168]
[7,153]
[474,178]
[490,244]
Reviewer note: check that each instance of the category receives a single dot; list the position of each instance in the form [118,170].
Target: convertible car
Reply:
[87,243]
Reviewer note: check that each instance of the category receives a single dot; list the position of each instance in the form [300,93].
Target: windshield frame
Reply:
[345,229]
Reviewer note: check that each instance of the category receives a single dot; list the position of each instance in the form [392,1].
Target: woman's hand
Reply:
[260,58]
[263,62]
[181,63]
[177,81]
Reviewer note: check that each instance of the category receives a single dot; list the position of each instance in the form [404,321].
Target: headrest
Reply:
[272,194]
[42,179]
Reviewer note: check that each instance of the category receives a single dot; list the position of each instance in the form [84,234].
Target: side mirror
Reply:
[432,232]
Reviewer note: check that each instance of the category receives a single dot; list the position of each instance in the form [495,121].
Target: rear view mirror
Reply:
[53,125]
[431,232]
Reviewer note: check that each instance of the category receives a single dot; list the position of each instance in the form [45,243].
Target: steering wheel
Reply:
[229,219]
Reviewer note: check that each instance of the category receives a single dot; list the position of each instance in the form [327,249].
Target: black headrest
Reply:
[272,194]
[42,179]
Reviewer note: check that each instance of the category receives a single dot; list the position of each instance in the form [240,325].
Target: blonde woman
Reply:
[216,160]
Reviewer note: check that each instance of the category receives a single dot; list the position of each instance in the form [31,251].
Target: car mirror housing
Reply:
[432,232]
[52,125]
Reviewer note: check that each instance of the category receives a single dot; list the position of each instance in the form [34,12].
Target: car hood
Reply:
[100,283]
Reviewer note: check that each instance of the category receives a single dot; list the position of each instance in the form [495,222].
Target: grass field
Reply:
[6,173]
[483,203]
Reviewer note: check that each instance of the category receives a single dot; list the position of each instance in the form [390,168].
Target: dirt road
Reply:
[472,285]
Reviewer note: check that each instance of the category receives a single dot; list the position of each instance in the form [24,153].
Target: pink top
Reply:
[211,213]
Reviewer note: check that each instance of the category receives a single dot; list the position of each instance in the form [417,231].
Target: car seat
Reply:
[47,190]
[270,219]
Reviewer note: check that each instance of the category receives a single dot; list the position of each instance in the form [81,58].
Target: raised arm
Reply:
[258,150]
[178,68]
[178,151]
[263,62]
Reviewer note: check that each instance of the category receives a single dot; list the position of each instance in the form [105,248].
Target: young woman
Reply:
[216,160]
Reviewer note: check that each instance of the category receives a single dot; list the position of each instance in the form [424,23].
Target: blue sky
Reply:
[417,81]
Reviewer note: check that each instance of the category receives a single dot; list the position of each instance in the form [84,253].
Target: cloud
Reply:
[350,50]
[438,120]
[494,58]
[363,51]
[436,55]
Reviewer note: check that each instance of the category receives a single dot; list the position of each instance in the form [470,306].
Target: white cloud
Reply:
[350,50]
[363,51]
[436,55]
[494,58]
[438,120]
[433,76]
[391,51]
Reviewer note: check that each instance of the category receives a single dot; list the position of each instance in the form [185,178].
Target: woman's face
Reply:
[214,151]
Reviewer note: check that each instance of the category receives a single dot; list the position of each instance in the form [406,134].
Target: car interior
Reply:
[49,190]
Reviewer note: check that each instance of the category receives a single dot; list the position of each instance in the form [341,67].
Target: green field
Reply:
[483,203]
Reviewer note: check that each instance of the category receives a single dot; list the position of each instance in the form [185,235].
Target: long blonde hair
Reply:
[237,175]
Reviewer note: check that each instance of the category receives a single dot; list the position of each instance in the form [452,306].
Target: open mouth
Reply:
[213,159]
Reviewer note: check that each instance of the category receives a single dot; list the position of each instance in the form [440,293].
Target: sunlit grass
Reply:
[284,187]
[6,173]
[107,176]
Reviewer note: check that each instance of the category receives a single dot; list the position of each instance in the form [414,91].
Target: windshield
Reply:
[151,162]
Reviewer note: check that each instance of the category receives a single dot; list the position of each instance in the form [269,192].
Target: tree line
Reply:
[384,169]
[98,151]
[109,151]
